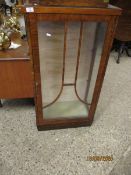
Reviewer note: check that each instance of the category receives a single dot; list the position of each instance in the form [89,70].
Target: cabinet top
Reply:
[46,9]
[74,3]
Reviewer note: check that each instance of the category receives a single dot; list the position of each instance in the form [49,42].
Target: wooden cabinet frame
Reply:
[109,16]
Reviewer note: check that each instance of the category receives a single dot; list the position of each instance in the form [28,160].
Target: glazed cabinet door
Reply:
[68,55]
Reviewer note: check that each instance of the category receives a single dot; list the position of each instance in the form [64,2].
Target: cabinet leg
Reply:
[127,52]
[122,47]
[33,101]
[1,103]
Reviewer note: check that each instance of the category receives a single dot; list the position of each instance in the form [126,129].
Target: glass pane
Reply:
[51,43]
[90,55]
[69,59]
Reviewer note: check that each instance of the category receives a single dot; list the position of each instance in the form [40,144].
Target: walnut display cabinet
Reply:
[70,48]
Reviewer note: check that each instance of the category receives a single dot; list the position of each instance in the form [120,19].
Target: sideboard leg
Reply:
[1,103]
[32,101]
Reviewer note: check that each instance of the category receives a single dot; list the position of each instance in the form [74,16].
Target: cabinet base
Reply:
[62,124]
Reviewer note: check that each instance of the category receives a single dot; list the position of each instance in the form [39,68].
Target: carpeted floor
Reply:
[25,151]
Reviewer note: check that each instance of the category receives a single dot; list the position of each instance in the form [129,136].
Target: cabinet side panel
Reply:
[16,79]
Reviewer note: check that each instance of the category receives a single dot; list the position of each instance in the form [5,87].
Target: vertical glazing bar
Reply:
[78,60]
[79,51]
[64,51]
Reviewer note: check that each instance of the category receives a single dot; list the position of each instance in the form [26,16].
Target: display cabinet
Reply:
[70,48]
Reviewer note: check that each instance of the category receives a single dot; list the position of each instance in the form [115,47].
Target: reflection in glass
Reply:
[51,42]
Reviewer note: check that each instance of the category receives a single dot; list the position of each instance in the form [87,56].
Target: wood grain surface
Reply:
[16,79]
[21,52]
